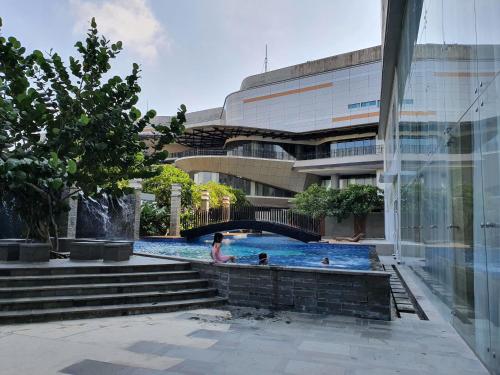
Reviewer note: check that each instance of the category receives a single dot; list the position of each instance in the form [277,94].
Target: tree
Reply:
[161,185]
[315,201]
[358,200]
[69,130]
[217,192]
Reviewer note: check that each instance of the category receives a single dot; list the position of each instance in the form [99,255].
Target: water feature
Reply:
[11,225]
[281,251]
[106,217]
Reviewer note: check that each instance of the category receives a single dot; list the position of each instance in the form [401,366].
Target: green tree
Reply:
[217,192]
[315,201]
[240,198]
[66,128]
[358,200]
[161,185]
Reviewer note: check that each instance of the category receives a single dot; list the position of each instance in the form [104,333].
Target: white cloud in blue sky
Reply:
[132,21]
[197,51]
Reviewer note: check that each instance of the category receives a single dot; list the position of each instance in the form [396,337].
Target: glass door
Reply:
[490,150]
[470,281]
[488,51]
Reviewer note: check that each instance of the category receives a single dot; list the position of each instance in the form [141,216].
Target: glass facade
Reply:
[268,150]
[443,145]
[251,188]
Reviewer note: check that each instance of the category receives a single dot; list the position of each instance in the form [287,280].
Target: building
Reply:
[440,122]
[283,130]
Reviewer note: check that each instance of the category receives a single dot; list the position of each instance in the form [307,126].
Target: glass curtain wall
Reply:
[448,126]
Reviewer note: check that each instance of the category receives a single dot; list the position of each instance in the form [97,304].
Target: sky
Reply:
[196,52]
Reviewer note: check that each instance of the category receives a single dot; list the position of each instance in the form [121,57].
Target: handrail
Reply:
[280,155]
[345,152]
[283,216]
[277,155]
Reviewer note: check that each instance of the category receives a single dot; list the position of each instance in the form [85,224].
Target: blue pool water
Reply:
[280,250]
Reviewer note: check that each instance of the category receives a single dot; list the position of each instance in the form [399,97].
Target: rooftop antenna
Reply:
[265,61]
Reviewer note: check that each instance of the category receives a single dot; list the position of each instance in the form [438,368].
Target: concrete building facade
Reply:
[283,130]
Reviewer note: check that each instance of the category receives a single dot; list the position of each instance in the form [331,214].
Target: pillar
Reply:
[175,210]
[136,184]
[205,206]
[226,208]
[335,182]
[72,215]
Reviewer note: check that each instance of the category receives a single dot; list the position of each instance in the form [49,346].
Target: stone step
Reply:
[13,270]
[100,288]
[57,302]
[27,316]
[95,278]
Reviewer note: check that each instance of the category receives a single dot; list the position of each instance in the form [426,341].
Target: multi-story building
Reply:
[285,129]
[440,119]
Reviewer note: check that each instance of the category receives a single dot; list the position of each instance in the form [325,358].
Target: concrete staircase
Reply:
[58,293]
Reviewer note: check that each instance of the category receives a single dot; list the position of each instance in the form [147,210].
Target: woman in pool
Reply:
[217,255]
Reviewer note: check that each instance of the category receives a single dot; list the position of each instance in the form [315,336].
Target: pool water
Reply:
[280,250]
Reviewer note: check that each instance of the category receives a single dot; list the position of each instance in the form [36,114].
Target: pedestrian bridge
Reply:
[268,219]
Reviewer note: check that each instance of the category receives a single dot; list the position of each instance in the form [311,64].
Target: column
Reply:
[205,206]
[334,180]
[175,210]
[72,215]
[136,184]
[226,208]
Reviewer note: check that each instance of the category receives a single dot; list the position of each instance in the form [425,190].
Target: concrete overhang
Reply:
[277,173]
[346,165]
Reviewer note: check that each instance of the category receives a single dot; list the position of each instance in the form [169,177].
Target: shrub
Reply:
[154,220]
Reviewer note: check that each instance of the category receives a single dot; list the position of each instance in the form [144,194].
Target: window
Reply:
[353,106]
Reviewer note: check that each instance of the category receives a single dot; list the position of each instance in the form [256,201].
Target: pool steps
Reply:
[34,294]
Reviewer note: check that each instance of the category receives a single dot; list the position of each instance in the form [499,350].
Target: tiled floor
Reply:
[216,342]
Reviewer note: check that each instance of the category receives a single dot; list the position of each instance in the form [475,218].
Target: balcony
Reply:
[277,155]
[274,155]
[345,152]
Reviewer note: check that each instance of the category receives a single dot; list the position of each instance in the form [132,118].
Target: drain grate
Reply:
[402,296]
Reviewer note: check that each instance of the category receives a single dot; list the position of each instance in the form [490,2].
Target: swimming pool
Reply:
[281,251]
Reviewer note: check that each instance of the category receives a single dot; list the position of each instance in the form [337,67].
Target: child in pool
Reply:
[217,255]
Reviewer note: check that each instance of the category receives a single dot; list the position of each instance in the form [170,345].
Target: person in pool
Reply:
[217,255]
[325,261]
[263,259]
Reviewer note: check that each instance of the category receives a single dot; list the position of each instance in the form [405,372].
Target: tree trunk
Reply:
[359,224]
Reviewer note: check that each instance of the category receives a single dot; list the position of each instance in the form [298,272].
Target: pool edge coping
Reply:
[271,267]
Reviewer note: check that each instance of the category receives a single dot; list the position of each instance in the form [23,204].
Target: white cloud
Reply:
[131,21]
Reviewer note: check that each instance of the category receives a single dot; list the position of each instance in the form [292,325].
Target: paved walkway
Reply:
[68,263]
[239,342]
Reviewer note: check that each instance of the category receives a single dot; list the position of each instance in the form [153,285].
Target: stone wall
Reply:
[364,294]
[375,227]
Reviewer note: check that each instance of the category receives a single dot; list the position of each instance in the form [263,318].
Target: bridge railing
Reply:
[274,215]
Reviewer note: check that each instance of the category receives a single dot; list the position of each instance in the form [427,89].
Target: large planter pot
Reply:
[116,252]
[64,244]
[85,250]
[9,251]
[129,244]
[34,252]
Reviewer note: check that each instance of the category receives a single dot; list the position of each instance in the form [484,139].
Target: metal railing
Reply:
[280,155]
[273,215]
[345,152]
[276,155]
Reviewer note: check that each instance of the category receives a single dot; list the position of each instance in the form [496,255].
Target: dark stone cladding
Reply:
[363,294]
